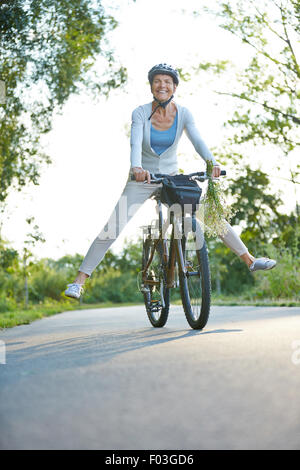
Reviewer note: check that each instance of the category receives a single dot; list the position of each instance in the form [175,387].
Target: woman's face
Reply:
[163,87]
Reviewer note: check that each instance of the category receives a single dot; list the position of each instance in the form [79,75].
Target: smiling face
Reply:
[163,87]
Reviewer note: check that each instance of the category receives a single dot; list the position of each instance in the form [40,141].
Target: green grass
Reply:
[234,300]
[23,316]
[240,301]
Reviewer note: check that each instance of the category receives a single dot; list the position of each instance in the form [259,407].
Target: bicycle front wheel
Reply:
[156,294]
[195,285]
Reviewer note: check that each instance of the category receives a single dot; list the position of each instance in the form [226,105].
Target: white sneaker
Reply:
[74,290]
[262,263]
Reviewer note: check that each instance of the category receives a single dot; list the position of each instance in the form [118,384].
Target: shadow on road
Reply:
[79,351]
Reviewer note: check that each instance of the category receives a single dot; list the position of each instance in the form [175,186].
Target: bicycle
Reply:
[180,262]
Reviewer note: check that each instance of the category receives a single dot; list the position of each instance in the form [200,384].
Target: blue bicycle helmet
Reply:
[163,69]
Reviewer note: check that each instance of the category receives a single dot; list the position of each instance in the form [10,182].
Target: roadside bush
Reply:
[112,287]
[284,280]
[46,282]
[7,304]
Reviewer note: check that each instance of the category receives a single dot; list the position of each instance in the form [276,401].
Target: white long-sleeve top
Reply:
[142,155]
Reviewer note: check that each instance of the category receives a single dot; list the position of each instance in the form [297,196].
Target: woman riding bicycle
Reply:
[155,131]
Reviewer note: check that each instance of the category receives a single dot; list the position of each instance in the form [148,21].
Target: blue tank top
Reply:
[161,140]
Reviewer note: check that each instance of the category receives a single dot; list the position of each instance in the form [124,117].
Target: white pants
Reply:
[132,198]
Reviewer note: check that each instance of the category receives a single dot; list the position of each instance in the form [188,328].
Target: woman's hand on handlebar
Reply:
[141,175]
[216,171]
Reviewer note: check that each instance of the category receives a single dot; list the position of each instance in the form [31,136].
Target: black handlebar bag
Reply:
[180,189]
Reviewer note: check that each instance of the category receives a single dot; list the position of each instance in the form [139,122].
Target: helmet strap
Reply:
[162,104]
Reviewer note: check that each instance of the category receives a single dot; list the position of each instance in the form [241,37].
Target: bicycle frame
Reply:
[170,258]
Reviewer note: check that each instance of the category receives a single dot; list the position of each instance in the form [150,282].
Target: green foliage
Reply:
[47,49]
[46,283]
[115,279]
[216,211]
[113,286]
[67,265]
[265,94]
[7,304]
[282,282]
[254,202]
[216,67]
[8,256]
[265,117]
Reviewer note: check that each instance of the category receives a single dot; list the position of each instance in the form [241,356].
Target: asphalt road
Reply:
[106,379]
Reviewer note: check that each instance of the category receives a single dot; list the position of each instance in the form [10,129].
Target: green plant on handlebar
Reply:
[216,212]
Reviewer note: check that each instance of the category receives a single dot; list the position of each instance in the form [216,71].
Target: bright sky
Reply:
[88,143]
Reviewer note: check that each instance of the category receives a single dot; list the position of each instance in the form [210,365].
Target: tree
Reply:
[266,93]
[264,98]
[47,52]
[254,204]
[32,239]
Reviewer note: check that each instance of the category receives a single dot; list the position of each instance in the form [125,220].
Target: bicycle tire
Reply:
[157,310]
[195,287]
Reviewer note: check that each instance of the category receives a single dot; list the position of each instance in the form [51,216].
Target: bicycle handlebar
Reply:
[199,176]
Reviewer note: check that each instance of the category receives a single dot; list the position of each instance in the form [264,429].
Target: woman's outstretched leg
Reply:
[233,241]
[132,198]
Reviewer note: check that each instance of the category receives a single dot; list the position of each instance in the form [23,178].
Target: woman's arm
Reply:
[136,138]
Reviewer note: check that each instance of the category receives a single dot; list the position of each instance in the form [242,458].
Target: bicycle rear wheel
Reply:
[156,294]
[195,285]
